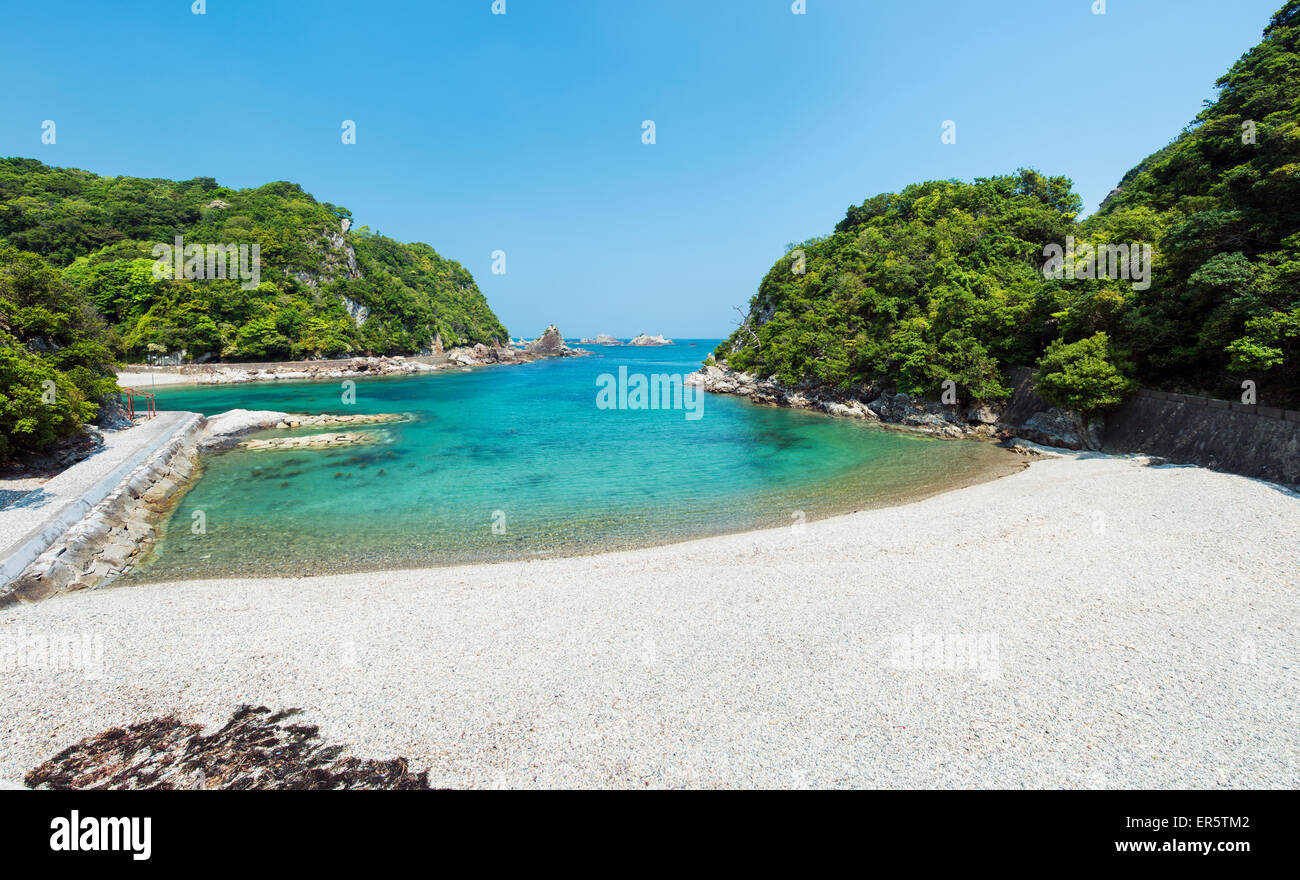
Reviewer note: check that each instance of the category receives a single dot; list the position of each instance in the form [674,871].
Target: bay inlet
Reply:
[523,462]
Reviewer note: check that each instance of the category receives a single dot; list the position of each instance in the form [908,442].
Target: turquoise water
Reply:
[527,449]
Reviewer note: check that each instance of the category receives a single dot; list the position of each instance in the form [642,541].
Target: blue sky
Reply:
[522,132]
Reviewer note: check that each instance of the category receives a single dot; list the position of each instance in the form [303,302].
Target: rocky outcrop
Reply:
[335,260]
[1055,427]
[224,430]
[113,533]
[356,311]
[434,348]
[311,441]
[481,355]
[112,415]
[551,344]
[601,339]
[898,408]
[646,339]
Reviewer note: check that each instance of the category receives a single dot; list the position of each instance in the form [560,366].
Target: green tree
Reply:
[102,231]
[1079,376]
[55,365]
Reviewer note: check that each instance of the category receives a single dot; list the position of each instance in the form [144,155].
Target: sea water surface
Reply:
[509,462]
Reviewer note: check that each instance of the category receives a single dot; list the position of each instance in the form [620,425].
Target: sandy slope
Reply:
[1098,624]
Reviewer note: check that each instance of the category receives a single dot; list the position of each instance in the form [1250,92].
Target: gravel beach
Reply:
[1090,622]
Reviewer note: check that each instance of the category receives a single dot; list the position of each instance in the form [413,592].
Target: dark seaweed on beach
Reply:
[251,751]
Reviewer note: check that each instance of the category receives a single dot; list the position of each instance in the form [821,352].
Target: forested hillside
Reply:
[945,281]
[78,286]
[1223,203]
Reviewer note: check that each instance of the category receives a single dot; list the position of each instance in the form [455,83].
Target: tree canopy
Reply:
[323,291]
[943,281]
[78,290]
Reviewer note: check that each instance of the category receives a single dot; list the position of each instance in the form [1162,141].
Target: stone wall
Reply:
[1255,441]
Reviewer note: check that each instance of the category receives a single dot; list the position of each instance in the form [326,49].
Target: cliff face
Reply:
[317,287]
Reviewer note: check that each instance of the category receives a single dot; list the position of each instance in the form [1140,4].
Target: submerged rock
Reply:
[225,428]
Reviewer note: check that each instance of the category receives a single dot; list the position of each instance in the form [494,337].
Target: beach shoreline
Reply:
[1120,629]
[143,378]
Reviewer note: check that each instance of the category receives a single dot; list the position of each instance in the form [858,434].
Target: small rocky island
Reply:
[646,339]
[551,344]
[600,339]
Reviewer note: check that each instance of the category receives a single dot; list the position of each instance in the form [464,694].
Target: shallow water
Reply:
[519,462]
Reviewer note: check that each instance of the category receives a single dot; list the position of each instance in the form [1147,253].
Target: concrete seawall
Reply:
[70,545]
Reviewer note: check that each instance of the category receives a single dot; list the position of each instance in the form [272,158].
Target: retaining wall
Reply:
[1255,441]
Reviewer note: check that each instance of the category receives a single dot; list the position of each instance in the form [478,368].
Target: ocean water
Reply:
[521,462]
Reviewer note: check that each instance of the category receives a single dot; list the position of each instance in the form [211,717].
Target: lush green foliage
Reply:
[943,281]
[1079,376]
[1225,216]
[75,246]
[55,364]
[101,231]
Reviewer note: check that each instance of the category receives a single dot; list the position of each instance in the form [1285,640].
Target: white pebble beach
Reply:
[1108,624]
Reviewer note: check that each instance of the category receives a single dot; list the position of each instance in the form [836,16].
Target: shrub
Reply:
[1080,377]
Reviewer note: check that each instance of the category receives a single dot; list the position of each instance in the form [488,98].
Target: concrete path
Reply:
[29,524]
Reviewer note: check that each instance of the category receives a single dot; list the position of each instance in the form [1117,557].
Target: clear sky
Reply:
[523,132]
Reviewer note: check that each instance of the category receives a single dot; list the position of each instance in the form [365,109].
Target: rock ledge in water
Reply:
[646,339]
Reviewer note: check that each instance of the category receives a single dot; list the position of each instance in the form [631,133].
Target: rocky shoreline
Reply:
[993,421]
[549,344]
[233,374]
